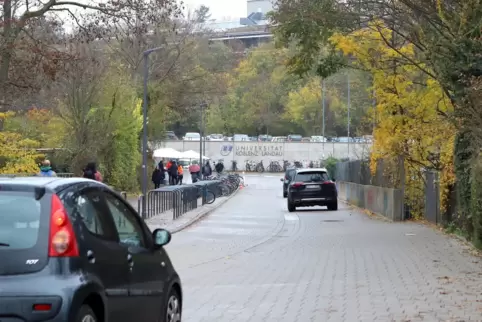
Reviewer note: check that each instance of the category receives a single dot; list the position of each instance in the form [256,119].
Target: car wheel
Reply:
[333,206]
[173,307]
[86,314]
[291,207]
[285,194]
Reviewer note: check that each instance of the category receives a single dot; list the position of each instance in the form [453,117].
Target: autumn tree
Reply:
[444,34]
[409,114]
[202,14]
[17,153]
[263,97]
[101,113]
[20,40]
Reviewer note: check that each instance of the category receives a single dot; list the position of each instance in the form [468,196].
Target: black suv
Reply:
[73,250]
[290,172]
[312,187]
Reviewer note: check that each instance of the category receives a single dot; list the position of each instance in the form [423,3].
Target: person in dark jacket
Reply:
[219,167]
[207,170]
[157,177]
[173,173]
[90,172]
[163,171]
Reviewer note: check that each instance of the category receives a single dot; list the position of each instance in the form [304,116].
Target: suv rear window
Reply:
[19,220]
[312,176]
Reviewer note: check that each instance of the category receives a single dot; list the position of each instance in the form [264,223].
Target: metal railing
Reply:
[208,185]
[179,199]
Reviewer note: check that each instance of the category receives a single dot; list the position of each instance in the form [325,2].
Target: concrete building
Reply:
[256,30]
[251,151]
[257,10]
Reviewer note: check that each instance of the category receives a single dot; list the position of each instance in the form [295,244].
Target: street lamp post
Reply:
[324,105]
[144,129]
[201,133]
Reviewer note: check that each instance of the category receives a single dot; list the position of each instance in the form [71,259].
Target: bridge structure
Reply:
[249,38]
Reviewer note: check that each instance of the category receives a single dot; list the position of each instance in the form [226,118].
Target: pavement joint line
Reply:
[203,214]
[279,227]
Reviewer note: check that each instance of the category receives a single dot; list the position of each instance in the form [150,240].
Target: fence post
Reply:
[437,197]
[402,183]
[139,206]
[203,196]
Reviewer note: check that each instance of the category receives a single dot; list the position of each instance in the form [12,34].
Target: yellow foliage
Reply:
[408,113]
[17,154]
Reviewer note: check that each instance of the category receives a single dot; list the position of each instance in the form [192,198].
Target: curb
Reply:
[203,214]
[368,213]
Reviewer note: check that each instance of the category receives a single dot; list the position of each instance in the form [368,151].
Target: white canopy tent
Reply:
[166,153]
[191,155]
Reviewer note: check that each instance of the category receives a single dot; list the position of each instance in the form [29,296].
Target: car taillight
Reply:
[297,184]
[62,241]
[328,182]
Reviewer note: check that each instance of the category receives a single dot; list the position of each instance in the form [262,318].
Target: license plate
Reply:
[313,187]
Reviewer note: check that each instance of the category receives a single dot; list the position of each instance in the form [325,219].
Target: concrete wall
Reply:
[383,201]
[268,151]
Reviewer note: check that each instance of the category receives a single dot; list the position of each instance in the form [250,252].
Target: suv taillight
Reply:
[62,241]
[329,182]
[297,184]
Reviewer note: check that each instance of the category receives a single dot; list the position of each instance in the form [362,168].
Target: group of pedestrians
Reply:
[90,171]
[174,171]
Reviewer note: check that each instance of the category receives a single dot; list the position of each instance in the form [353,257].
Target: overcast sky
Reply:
[221,9]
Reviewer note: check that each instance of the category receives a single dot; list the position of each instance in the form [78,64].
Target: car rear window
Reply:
[312,176]
[19,220]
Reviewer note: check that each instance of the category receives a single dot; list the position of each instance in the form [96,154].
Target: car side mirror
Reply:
[282,179]
[334,180]
[161,237]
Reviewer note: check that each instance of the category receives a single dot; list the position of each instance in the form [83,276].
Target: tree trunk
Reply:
[9,35]
[464,153]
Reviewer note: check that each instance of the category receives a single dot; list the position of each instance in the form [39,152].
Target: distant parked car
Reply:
[72,249]
[265,138]
[279,139]
[240,137]
[294,138]
[170,135]
[318,138]
[192,136]
[215,137]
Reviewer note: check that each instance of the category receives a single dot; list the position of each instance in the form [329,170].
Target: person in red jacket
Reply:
[195,171]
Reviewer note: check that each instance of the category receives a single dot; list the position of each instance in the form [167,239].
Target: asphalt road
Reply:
[253,261]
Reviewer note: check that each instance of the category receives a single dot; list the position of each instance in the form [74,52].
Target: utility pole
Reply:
[348,112]
[201,133]
[323,103]
[145,55]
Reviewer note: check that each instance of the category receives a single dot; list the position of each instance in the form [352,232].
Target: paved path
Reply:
[253,261]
